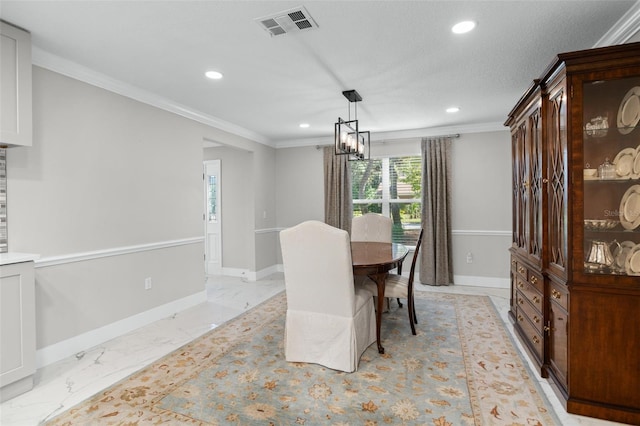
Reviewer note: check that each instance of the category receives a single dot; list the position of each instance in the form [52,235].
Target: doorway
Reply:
[213,218]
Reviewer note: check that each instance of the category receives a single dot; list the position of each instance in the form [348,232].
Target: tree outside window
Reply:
[393,187]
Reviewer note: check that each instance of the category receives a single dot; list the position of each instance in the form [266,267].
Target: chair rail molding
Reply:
[117,251]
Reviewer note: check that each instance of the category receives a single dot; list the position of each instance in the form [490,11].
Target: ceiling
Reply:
[401,57]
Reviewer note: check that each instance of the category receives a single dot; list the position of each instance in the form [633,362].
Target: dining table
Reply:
[375,260]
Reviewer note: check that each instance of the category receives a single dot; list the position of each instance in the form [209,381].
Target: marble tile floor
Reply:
[62,385]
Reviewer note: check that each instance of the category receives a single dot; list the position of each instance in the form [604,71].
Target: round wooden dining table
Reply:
[375,260]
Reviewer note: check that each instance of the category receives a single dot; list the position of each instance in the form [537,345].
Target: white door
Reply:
[213,220]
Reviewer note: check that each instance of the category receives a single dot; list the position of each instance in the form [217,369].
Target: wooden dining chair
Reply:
[399,287]
[329,321]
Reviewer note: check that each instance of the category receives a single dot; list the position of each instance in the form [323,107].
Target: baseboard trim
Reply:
[252,275]
[66,348]
[474,281]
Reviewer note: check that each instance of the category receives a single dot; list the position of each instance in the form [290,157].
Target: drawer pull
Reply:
[521,270]
[520,318]
[535,339]
[520,285]
[556,294]
[534,280]
[536,299]
[520,301]
[513,262]
[536,319]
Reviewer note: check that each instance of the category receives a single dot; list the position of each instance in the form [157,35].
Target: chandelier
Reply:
[348,138]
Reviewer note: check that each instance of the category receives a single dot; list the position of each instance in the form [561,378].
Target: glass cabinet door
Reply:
[611,184]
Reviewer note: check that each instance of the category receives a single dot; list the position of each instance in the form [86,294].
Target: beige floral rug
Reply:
[461,369]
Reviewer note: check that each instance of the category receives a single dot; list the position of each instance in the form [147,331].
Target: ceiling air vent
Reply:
[292,20]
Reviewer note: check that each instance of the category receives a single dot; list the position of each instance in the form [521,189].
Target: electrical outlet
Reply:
[148,283]
[469,257]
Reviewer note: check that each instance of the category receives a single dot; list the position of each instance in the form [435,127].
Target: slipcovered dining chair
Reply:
[371,227]
[401,287]
[328,321]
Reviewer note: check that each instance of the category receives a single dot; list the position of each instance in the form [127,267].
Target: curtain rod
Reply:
[453,136]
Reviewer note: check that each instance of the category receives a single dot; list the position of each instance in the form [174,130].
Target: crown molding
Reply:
[402,134]
[626,27]
[76,71]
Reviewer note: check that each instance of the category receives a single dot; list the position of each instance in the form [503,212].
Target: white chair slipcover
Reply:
[329,322]
[371,227]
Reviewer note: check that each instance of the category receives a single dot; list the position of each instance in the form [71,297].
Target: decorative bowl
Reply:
[600,224]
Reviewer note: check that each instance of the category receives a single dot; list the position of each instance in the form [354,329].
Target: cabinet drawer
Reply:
[530,335]
[558,293]
[527,310]
[536,281]
[530,293]
[522,270]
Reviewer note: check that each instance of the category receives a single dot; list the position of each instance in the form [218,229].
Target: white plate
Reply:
[629,111]
[624,162]
[632,262]
[620,255]
[635,173]
[630,208]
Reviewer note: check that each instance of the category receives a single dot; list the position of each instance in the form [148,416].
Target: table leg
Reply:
[380,281]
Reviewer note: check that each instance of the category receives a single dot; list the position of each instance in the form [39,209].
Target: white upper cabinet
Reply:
[15,86]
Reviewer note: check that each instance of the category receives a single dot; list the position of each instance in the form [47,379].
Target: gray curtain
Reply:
[338,205]
[436,259]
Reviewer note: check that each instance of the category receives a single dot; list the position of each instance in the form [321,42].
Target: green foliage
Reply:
[365,179]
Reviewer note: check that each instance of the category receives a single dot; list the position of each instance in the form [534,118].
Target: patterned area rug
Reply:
[461,369]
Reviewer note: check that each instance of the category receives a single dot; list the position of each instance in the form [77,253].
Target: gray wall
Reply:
[236,204]
[248,201]
[481,198]
[109,194]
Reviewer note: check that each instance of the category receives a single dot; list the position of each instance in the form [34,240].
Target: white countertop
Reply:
[13,257]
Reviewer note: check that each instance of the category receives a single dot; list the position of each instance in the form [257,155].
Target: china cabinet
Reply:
[15,86]
[575,254]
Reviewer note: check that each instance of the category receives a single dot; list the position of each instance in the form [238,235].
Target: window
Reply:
[212,198]
[393,187]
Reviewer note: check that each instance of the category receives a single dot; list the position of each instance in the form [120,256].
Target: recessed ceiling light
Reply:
[463,27]
[213,75]
[304,125]
[453,109]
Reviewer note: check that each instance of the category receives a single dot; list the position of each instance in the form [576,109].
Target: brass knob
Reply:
[520,318]
[534,280]
[536,319]
[546,328]
[536,299]
[521,270]
[520,285]
[536,340]
[556,294]
[545,180]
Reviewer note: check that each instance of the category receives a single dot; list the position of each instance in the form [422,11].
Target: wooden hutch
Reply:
[575,254]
